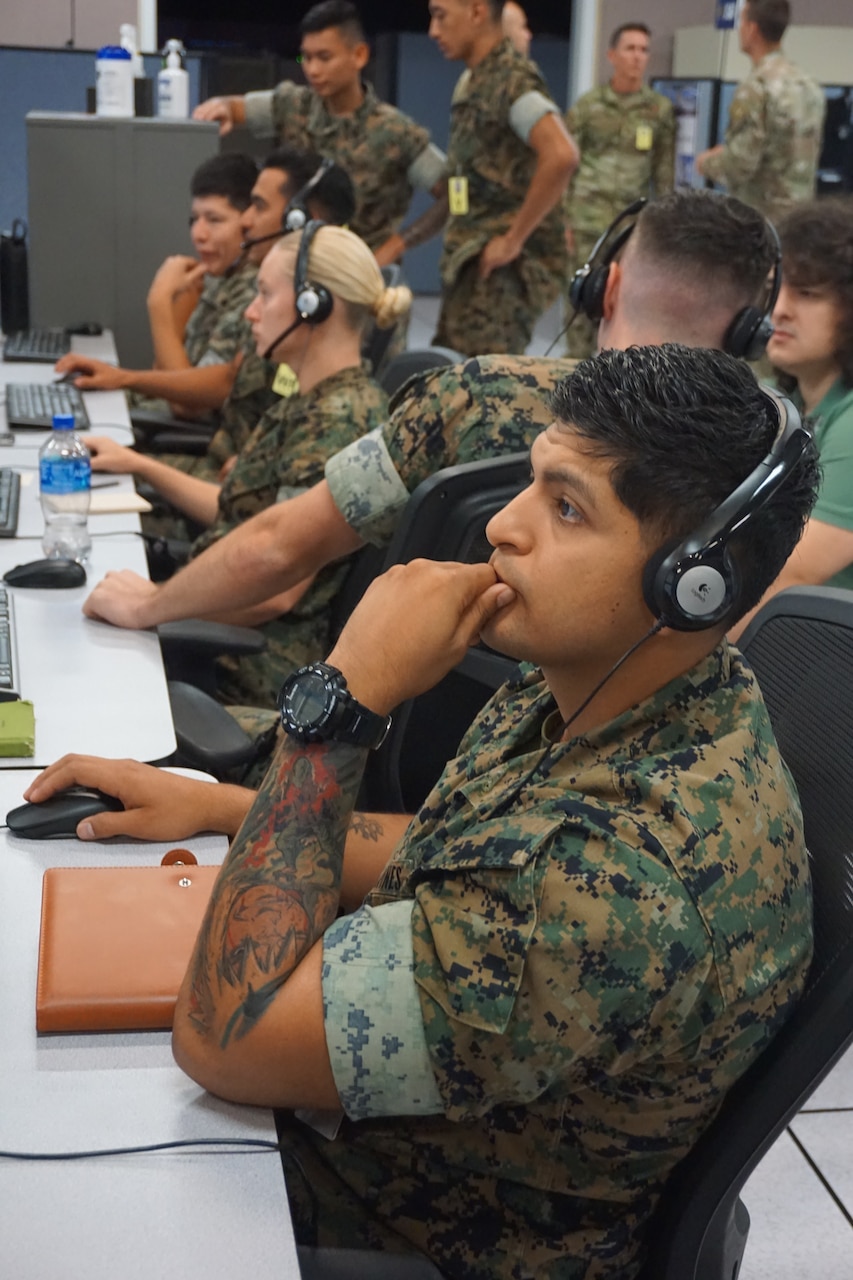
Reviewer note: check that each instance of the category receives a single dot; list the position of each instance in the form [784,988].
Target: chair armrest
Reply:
[207,736]
[210,638]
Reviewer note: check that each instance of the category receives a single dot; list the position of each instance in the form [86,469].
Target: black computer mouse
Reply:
[87,329]
[58,816]
[46,573]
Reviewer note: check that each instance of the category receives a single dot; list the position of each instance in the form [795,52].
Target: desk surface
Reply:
[97,689]
[107,410]
[204,1214]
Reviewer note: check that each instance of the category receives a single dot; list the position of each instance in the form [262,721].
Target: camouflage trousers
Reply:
[582,335]
[482,317]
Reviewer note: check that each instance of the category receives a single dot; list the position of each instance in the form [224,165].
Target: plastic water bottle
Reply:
[65,487]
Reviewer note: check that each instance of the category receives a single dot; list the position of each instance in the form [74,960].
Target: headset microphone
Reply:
[266,355]
[253,240]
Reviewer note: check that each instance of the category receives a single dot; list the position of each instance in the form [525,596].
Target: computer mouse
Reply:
[58,816]
[46,573]
[87,329]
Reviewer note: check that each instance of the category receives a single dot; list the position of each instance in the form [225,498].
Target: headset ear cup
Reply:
[690,592]
[740,337]
[593,293]
[314,303]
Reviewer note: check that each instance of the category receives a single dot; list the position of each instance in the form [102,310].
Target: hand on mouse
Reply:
[109,456]
[157,805]
[122,598]
[93,375]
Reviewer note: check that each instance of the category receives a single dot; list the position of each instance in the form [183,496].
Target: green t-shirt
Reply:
[832,424]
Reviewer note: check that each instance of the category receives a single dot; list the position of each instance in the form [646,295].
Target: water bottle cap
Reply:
[113,51]
[63,422]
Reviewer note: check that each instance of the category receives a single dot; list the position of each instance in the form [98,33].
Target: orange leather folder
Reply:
[115,943]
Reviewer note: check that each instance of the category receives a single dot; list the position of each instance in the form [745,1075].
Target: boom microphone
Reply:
[281,337]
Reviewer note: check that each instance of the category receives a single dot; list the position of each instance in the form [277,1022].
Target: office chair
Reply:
[800,646]
[377,341]
[161,433]
[445,519]
[416,360]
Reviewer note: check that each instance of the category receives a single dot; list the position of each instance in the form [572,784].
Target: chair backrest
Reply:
[800,646]
[401,367]
[377,341]
[445,519]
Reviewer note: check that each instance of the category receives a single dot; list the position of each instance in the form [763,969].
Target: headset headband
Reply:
[296,214]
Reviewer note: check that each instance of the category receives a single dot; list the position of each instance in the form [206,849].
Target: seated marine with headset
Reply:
[601,914]
[291,187]
[318,289]
[688,267]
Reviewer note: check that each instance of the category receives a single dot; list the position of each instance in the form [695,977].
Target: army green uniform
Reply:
[284,456]
[495,106]
[627,146]
[773,138]
[569,959]
[386,154]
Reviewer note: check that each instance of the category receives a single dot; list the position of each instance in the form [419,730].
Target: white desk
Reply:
[30,517]
[97,689]
[107,410]
[182,1215]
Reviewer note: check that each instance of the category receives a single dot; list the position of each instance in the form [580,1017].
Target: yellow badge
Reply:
[457,194]
[643,141]
[286,382]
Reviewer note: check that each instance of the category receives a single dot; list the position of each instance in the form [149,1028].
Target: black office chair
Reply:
[800,646]
[416,360]
[161,433]
[377,341]
[445,519]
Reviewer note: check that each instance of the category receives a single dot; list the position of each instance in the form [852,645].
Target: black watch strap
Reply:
[317,706]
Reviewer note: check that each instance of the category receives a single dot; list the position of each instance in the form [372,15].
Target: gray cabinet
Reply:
[108,201]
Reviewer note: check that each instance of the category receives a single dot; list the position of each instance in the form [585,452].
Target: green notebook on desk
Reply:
[17,729]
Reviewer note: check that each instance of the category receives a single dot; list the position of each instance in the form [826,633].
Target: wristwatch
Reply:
[317,706]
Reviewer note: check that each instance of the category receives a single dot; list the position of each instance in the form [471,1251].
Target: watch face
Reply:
[308,699]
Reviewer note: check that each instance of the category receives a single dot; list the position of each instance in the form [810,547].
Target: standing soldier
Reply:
[509,159]
[769,158]
[386,154]
[626,135]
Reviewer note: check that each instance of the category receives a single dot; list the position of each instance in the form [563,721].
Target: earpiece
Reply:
[586,291]
[296,214]
[749,331]
[313,301]
[692,583]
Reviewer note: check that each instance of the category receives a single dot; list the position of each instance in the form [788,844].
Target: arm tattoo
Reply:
[427,225]
[279,887]
[367,826]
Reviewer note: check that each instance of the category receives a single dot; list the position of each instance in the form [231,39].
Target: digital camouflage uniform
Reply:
[386,154]
[284,456]
[773,138]
[564,967]
[627,146]
[495,105]
[217,329]
[486,407]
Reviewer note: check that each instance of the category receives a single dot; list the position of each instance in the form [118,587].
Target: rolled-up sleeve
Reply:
[367,488]
[374,1026]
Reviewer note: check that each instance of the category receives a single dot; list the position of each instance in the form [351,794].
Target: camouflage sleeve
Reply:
[427,169]
[663,164]
[259,112]
[372,1015]
[746,138]
[544,957]
[367,488]
[526,112]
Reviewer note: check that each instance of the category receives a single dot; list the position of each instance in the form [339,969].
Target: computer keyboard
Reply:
[37,344]
[10,500]
[33,404]
[8,649]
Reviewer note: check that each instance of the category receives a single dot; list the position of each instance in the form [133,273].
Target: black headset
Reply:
[746,336]
[296,215]
[313,301]
[693,583]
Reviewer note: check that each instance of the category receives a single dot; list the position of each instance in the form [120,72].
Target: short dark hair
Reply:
[817,250]
[770,16]
[683,427]
[333,198]
[712,236]
[616,36]
[334,13]
[231,175]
